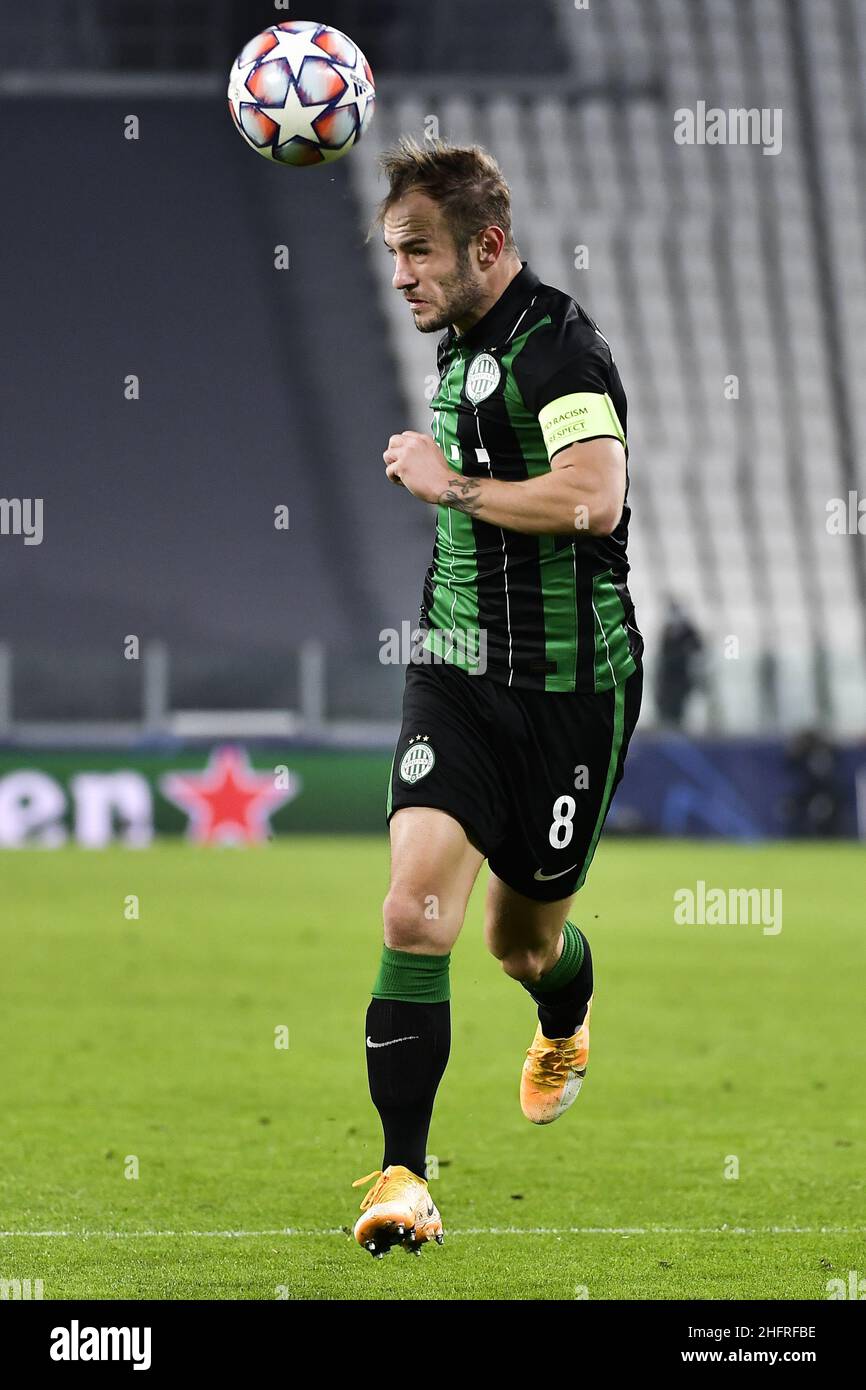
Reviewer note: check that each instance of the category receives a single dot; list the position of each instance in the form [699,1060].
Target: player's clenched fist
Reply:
[417,462]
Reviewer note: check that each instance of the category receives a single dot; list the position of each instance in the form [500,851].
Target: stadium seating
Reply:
[732,288]
[731,285]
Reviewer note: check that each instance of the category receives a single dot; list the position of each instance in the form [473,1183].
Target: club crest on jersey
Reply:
[482,378]
[418,759]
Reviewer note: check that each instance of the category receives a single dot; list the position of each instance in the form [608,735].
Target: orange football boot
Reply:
[398,1210]
[553,1073]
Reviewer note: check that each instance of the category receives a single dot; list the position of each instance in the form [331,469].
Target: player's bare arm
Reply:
[584,490]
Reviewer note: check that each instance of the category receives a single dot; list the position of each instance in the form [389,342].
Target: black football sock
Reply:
[564,992]
[408,1040]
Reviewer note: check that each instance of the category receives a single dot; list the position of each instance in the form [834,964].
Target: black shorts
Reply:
[528,773]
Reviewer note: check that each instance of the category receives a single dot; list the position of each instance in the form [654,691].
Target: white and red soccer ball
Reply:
[301,93]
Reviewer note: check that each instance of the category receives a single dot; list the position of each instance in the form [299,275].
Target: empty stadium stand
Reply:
[730,282]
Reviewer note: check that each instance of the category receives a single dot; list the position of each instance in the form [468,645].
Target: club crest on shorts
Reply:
[418,759]
[482,378]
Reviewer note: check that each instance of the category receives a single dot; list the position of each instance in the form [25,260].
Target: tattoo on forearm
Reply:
[464,494]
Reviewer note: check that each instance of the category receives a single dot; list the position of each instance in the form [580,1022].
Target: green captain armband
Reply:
[582,415]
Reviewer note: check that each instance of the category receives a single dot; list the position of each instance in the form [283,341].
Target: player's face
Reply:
[437,281]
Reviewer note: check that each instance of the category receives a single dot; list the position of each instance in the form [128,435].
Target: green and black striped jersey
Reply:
[531,377]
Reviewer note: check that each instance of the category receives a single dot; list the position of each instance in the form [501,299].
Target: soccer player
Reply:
[518,711]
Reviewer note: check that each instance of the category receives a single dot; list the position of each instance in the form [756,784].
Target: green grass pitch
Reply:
[151,1042]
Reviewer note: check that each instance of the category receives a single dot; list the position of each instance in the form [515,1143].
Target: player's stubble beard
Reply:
[461,294]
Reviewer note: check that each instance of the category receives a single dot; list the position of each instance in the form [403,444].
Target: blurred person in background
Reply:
[679,668]
[813,807]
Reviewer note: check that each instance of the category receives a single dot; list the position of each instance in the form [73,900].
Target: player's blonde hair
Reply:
[465,181]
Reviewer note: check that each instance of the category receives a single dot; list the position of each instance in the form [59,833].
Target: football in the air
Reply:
[301,93]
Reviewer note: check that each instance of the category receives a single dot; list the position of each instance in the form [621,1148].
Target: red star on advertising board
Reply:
[229,801]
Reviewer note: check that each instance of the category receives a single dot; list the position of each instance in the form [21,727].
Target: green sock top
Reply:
[568,964]
[416,979]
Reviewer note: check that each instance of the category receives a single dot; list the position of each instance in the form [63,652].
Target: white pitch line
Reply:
[463,1231]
